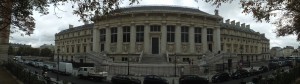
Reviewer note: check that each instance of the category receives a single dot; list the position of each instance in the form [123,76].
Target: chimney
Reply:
[248,26]
[70,26]
[243,25]
[217,12]
[238,24]
[233,22]
[227,21]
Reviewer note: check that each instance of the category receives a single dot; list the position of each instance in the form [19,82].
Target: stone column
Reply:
[147,39]
[120,39]
[217,39]
[163,38]
[96,39]
[178,38]
[204,39]
[107,40]
[132,38]
[192,40]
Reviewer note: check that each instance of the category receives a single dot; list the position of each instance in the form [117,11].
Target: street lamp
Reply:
[175,66]
[128,64]
[58,50]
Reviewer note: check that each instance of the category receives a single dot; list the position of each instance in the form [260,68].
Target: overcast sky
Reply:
[48,25]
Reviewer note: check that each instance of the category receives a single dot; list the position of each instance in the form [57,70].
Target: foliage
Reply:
[263,10]
[11,51]
[46,52]
[21,11]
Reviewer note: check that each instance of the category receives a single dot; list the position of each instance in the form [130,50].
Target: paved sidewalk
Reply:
[6,77]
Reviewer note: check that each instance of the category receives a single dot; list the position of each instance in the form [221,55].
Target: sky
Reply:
[48,25]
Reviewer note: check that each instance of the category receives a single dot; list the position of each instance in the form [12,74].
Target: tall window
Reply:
[170,33]
[114,34]
[126,34]
[139,33]
[209,35]
[78,49]
[197,35]
[72,49]
[155,28]
[184,34]
[84,48]
[102,35]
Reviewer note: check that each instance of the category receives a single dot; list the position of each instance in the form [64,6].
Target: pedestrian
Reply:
[182,71]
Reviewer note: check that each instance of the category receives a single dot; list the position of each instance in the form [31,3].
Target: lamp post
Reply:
[58,50]
[128,64]
[175,66]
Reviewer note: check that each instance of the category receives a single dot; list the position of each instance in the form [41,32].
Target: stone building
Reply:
[161,34]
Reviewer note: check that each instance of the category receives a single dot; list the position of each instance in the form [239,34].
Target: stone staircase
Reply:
[153,59]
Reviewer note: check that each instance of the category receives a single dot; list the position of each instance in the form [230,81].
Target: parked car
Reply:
[192,79]
[263,69]
[153,79]
[273,66]
[220,77]
[123,79]
[253,72]
[241,73]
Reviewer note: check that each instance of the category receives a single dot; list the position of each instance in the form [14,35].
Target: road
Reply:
[72,79]
[75,80]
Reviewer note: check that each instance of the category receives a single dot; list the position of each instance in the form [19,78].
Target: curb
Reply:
[19,82]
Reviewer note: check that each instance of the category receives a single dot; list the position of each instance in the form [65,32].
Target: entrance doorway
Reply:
[155,45]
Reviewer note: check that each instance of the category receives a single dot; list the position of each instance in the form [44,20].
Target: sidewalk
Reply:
[6,77]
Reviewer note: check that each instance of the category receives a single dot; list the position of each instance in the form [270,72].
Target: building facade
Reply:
[163,31]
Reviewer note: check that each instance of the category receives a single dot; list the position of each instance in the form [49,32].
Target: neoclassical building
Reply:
[161,33]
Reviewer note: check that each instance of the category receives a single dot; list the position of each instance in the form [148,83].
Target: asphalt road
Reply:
[72,79]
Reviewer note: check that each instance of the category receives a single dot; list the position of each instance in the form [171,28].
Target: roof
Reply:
[176,9]
[78,28]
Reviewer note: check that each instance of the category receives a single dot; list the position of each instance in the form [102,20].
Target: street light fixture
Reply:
[57,78]
[128,64]
[175,66]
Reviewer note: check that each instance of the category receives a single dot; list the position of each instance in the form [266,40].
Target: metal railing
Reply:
[141,56]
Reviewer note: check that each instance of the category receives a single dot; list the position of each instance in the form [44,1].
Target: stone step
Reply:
[153,59]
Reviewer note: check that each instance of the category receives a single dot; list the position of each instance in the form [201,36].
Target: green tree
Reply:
[11,51]
[46,52]
[262,10]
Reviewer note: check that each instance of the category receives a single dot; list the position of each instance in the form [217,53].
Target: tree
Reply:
[11,51]
[262,10]
[46,52]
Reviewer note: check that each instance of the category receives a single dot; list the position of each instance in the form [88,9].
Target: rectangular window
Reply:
[170,33]
[185,59]
[184,34]
[209,35]
[155,28]
[102,35]
[91,47]
[84,48]
[114,35]
[197,35]
[102,47]
[139,33]
[124,58]
[72,49]
[126,34]
[67,49]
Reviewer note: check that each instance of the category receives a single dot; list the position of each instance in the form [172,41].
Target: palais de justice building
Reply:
[161,31]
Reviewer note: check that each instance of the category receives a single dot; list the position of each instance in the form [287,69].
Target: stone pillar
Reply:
[132,38]
[217,39]
[178,38]
[96,39]
[107,40]
[204,40]
[163,38]
[147,39]
[120,40]
[192,40]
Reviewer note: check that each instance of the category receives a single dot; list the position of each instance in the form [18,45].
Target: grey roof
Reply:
[78,28]
[176,9]
[238,28]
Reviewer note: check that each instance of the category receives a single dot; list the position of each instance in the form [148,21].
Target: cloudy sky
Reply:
[48,25]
